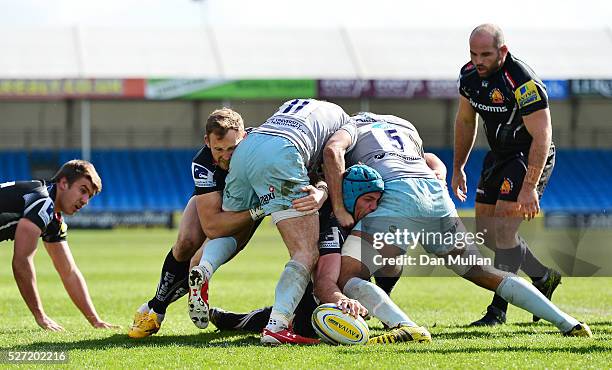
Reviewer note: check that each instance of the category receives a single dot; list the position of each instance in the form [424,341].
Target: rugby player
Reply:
[362,191]
[414,200]
[33,209]
[202,217]
[271,168]
[512,102]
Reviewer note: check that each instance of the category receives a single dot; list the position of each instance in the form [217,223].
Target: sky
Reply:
[310,13]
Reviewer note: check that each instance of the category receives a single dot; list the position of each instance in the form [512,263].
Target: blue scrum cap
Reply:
[359,180]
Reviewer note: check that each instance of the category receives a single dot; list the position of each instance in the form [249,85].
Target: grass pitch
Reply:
[122,269]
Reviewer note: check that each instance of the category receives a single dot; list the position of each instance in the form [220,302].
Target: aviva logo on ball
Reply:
[336,327]
[342,327]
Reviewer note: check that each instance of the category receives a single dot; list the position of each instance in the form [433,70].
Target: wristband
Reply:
[323,188]
[257,213]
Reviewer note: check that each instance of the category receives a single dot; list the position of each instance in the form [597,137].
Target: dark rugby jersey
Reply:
[207,176]
[331,234]
[32,200]
[502,100]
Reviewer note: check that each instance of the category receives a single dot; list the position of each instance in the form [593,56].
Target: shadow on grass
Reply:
[225,339]
[121,340]
[424,348]
[525,328]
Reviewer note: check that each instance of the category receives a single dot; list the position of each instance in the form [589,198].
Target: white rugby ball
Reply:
[336,327]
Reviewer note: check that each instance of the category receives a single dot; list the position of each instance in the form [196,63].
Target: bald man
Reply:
[512,102]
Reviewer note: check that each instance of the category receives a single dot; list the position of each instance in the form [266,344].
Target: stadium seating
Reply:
[135,180]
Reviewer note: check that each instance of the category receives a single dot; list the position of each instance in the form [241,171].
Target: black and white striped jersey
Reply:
[33,200]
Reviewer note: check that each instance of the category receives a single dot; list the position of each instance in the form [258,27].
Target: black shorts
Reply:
[502,179]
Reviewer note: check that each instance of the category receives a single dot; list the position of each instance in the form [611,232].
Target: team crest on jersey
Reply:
[202,176]
[527,94]
[506,186]
[496,96]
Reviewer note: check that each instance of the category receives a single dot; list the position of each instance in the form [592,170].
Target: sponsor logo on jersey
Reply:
[488,108]
[485,83]
[202,176]
[266,198]
[382,126]
[63,228]
[527,94]
[496,96]
[506,186]
[331,239]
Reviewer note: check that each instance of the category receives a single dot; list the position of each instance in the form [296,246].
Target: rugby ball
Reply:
[336,327]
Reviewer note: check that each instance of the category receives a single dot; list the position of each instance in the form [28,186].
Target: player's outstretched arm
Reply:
[465,135]
[74,283]
[26,239]
[326,285]
[334,167]
[217,223]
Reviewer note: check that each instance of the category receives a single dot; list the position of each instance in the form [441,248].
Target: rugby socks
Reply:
[144,308]
[288,293]
[172,284]
[524,295]
[377,302]
[531,265]
[254,321]
[217,252]
[507,260]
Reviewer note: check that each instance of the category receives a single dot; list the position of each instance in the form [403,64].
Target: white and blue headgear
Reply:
[359,180]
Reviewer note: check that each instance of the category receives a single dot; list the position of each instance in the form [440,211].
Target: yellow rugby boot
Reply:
[144,325]
[580,330]
[402,334]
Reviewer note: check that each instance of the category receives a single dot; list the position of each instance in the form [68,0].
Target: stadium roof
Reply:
[280,52]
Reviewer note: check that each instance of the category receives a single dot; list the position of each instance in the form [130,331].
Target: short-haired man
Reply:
[414,200]
[271,168]
[33,209]
[202,218]
[513,104]
[362,190]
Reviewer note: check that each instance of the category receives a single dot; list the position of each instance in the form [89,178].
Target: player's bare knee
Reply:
[350,268]
[307,257]
[185,248]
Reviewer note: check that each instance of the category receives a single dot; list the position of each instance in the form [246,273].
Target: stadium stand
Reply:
[158,179]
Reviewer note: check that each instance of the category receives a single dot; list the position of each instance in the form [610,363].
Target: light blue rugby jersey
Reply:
[308,124]
[389,144]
